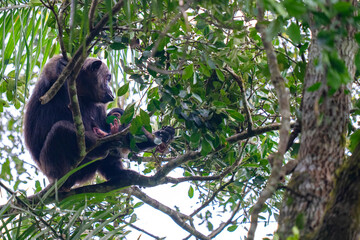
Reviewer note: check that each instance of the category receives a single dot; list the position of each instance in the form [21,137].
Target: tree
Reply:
[256,90]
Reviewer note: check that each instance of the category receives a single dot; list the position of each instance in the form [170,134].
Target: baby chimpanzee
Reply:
[162,137]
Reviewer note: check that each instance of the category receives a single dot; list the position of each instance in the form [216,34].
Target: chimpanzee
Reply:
[49,129]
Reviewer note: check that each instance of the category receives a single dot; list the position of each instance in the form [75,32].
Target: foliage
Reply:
[169,62]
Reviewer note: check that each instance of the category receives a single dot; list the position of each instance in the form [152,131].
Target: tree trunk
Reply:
[322,149]
[341,220]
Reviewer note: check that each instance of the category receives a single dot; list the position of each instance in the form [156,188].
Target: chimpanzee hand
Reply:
[166,134]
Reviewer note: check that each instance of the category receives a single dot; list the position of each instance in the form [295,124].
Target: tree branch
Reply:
[177,217]
[58,19]
[142,230]
[223,225]
[92,13]
[47,195]
[283,95]
[167,28]
[240,81]
[207,202]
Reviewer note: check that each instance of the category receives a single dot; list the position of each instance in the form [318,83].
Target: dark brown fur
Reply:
[49,130]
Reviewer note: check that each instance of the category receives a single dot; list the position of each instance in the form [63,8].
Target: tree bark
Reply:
[342,218]
[322,149]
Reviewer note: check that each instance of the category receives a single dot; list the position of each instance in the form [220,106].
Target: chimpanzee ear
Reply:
[96,65]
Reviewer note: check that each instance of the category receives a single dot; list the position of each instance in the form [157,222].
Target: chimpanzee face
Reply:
[93,81]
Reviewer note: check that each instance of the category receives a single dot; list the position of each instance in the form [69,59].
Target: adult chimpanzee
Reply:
[49,130]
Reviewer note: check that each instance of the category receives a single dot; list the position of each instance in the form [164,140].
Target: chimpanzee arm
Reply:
[165,135]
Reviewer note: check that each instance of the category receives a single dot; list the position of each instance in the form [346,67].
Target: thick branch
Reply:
[158,178]
[283,95]
[47,195]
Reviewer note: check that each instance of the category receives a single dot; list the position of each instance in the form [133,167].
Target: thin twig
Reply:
[213,196]
[215,232]
[142,230]
[240,81]
[92,13]
[58,20]
[167,28]
[178,217]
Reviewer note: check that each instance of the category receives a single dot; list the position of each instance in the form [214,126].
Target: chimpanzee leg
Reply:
[112,169]
[60,153]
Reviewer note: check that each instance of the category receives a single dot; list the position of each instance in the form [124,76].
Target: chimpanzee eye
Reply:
[108,77]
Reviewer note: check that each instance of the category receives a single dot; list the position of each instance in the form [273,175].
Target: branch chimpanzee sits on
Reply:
[114,164]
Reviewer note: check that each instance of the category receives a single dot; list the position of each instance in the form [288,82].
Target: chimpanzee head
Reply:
[117,112]
[93,81]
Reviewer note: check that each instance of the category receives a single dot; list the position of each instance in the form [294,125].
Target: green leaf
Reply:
[122,90]
[210,226]
[133,218]
[343,8]
[314,87]
[110,119]
[191,192]
[295,8]
[236,115]
[274,28]
[136,127]
[354,140]
[294,33]
[205,147]
[145,119]
[128,114]
[118,46]
[188,72]
[138,204]
[253,165]
[232,228]
[35,3]
[138,78]
[195,137]
[204,70]
[220,75]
